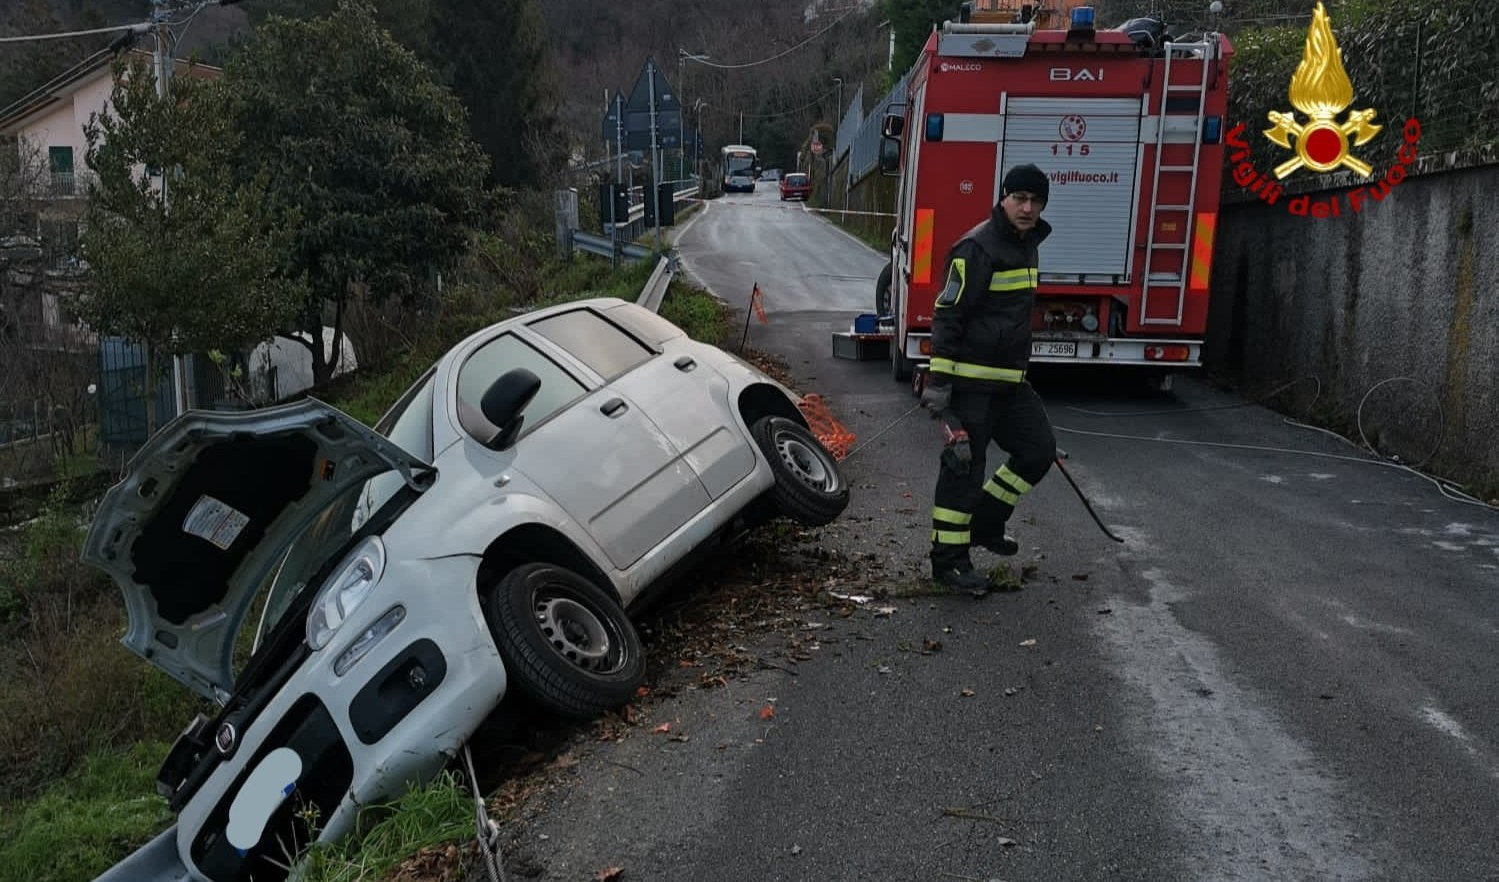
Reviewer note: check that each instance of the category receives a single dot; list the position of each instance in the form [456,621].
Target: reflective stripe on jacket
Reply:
[981,330]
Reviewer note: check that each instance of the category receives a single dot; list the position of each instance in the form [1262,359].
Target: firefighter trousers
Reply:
[973,507]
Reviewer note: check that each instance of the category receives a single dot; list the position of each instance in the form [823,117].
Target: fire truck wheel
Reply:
[882,291]
[809,488]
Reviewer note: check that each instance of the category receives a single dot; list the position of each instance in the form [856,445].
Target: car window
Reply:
[594,340]
[644,324]
[490,361]
[409,422]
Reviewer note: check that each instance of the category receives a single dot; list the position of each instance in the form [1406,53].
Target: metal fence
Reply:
[864,147]
[122,390]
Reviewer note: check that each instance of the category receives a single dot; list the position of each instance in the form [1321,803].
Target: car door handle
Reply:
[614,407]
[685,363]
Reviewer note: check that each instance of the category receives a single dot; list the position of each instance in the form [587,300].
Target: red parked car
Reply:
[795,186]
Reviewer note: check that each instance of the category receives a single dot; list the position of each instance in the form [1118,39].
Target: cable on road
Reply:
[1451,490]
[871,438]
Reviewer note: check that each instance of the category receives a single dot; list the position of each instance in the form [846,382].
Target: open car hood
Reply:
[208,508]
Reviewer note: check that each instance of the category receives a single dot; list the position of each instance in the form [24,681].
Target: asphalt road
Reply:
[1288,671]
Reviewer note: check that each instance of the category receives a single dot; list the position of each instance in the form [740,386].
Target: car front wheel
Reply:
[564,640]
[809,487]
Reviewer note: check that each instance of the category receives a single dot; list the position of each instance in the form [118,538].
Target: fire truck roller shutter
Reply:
[1090,148]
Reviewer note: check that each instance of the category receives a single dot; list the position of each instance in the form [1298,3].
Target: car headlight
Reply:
[352,582]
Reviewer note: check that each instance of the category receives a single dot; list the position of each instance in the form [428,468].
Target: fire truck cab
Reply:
[1127,123]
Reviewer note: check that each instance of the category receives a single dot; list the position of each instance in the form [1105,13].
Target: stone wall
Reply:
[1401,298]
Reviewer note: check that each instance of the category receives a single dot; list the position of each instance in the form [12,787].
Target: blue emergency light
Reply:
[1082,18]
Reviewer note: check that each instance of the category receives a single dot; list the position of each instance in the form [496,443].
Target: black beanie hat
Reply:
[1028,178]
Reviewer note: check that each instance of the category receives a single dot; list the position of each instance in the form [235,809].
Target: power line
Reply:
[778,113]
[850,11]
[141,26]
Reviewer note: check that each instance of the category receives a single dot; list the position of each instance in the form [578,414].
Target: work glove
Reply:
[957,455]
[936,397]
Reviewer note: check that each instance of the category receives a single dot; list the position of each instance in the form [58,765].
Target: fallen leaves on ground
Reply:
[608,874]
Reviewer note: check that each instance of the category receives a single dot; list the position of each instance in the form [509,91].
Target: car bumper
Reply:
[394,718]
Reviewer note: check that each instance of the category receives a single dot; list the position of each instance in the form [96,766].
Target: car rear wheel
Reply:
[564,640]
[809,488]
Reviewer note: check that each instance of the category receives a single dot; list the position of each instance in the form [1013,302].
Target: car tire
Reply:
[810,488]
[882,291]
[565,641]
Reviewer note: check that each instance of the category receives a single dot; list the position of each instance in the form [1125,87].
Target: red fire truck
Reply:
[1128,123]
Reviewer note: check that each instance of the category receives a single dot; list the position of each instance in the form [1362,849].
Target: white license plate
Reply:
[1051,347]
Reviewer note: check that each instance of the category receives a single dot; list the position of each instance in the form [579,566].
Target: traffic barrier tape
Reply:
[830,433]
[804,207]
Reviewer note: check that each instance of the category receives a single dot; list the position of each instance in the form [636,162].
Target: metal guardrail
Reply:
[655,287]
[605,245]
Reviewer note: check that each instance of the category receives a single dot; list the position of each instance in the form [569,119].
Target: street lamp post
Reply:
[683,56]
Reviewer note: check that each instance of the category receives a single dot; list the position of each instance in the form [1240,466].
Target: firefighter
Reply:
[981,345]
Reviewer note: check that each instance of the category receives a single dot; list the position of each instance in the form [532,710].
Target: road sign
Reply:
[640,110]
[610,130]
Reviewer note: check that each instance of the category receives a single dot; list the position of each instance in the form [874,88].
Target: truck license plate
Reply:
[1066,349]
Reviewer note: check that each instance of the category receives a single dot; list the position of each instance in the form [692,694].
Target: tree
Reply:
[495,56]
[355,135]
[200,266]
[913,21]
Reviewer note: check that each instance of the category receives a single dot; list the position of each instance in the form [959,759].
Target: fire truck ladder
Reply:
[1206,53]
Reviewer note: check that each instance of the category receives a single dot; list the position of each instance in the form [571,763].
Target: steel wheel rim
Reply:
[575,632]
[808,465]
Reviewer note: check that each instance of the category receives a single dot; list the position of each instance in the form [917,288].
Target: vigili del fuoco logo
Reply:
[1322,91]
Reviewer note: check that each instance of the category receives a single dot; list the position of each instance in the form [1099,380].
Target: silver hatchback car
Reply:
[498,526]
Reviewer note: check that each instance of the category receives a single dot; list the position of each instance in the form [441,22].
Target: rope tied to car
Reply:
[488,830]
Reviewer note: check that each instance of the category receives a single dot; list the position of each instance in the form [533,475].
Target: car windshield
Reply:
[326,537]
[408,423]
[796,180]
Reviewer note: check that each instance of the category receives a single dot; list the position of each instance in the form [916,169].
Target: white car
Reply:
[497,527]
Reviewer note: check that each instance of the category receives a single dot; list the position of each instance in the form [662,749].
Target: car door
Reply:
[593,450]
[688,401]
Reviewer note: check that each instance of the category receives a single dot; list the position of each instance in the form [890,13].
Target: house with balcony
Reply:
[43,208]
[47,128]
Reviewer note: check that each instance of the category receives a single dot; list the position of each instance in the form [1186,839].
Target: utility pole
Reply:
[683,56]
[655,157]
[162,60]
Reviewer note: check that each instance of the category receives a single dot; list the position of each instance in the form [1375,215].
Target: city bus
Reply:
[740,159]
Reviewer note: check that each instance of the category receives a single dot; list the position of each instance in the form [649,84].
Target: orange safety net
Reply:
[831,433]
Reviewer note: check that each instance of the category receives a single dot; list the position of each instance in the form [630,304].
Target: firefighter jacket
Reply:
[981,327]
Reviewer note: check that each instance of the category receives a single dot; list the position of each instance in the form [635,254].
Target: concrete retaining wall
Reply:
[1408,288]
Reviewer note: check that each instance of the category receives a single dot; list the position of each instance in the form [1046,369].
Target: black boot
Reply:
[958,573]
[999,543]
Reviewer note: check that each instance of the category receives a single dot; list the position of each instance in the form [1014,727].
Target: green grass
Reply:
[695,311]
[87,822]
[426,817]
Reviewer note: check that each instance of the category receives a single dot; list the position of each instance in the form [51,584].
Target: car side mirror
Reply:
[889,157]
[503,402]
[892,125]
